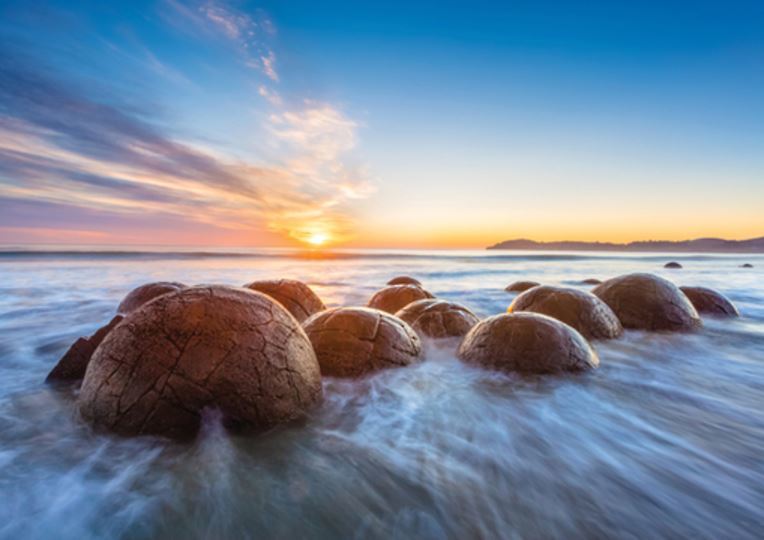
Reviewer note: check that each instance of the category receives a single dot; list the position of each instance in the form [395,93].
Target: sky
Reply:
[385,124]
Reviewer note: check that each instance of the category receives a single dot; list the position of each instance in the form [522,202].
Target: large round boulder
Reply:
[520,286]
[404,280]
[295,296]
[648,302]
[710,302]
[145,293]
[393,298]
[352,341]
[582,310]
[438,318]
[527,343]
[226,348]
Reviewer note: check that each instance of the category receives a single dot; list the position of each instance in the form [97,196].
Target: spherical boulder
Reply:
[672,264]
[395,297]
[352,341]
[227,348]
[140,295]
[404,280]
[438,318]
[582,310]
[295,296]
[591,281]
[648,302]
[710,301]
[520,286]
[527,343]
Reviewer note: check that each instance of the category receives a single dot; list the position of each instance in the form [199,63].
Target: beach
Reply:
[662,440]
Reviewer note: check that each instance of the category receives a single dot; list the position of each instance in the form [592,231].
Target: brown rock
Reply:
[75,361]
[527,343]
[591,281]
[438,318]
[295,296]
[352,341]
[582,310]
[648,302]
[672,264]
[746,265]
[710,301]
[227,348]
[393,298]
[520,286]
[140,295]
[404,280]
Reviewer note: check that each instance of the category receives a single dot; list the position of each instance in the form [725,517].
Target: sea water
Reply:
[663,440]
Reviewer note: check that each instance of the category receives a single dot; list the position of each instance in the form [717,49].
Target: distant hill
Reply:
[708,245]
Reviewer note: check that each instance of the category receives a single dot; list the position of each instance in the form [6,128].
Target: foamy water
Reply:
[663,440]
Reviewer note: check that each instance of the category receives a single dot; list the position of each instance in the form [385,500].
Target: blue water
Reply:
[664,440]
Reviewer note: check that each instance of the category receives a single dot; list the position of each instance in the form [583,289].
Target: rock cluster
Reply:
[527,343]
[295,296]
[395,297]
[581,310]
[219,347]
[354,341]
[438,318]
[648,302]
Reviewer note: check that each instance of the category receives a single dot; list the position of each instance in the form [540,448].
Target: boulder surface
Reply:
[527,343]
[218,347]
[438,318]
[352,341]
[295,296]
[648,302]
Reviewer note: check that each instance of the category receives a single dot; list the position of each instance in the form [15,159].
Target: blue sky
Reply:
[380,124]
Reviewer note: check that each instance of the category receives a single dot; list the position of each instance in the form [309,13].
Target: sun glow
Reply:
[317,239]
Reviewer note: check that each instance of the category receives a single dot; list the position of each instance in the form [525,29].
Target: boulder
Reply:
[225,348]
[352,341]
[746,265]
[582,310]
[438,318]
[404,280]
[591,281]
[672,264]
[520,286]
[527,343]
[140,295]
[75,361]
[295,296]
[710,301]
[393,298]
[648,302]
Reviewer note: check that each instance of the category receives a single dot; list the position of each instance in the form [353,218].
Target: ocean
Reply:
[663,440]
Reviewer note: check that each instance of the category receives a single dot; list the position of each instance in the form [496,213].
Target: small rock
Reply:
[404,280]
[75,361]
[672,264]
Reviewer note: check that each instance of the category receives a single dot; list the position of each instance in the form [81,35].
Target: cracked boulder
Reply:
[75,361]
[145,293]
[527,343]
[225,348]
[521,286]
[438,318]
[710,302]
[295,296]
[648,302]
[404,280]
[582,310]
[395,297]
[352,341]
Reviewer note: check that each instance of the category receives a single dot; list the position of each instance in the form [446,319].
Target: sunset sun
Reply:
[317,239]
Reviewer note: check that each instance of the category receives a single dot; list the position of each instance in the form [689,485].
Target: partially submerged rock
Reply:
[75,361]
[672,264]
[395,297]
[746,265]
[591,281]
[710,302]
[579,309]
[520,286]
[648,302]
[527,343]
[404,280]
[295,296]
[218,347]
[145,293]
[352,341]
[438,318]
